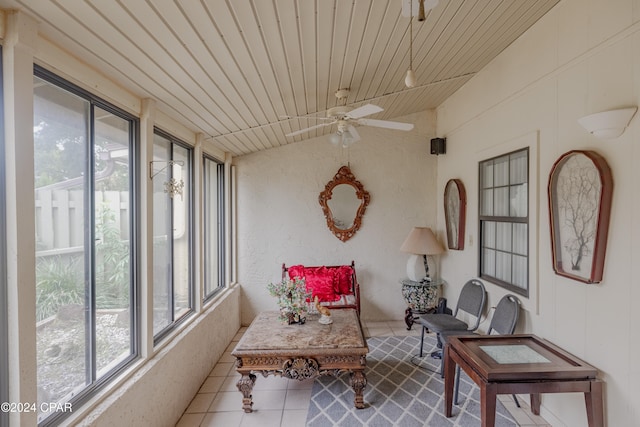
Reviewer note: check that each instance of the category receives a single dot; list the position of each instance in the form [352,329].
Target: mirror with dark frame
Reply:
[344,201]
[455,203]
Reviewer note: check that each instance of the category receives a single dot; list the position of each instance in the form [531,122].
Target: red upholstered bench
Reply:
[336,286]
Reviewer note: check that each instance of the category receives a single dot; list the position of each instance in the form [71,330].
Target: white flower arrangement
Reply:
[293,299]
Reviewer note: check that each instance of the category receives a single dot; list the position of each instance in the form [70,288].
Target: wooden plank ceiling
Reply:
[237,70]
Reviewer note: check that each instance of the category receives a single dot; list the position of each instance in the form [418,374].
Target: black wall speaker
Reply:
[438,146]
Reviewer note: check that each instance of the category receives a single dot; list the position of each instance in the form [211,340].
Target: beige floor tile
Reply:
[518,414]
[227,401]
[200,403]
[297,399]
[538,420]
[373,324]
[397,324]
[267,399]
[229,383]
[227,357]
[190,420]
[294,418]
[211,385]
[222,419]
[504,398]
[271,383]
[535,419]
[262,418]
[380,331]
[222,369]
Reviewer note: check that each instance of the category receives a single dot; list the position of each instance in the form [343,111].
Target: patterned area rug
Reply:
[402,390]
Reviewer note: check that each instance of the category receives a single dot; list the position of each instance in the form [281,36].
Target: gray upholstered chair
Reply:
[471,301]
[504,320]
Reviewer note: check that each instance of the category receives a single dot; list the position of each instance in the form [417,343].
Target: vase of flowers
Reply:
[293,299]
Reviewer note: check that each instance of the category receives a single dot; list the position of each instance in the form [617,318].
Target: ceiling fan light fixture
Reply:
[343,139]
[344,116]
[335,138]
[347,143]
[347,139]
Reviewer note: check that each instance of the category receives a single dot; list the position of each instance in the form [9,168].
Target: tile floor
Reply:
[281,402]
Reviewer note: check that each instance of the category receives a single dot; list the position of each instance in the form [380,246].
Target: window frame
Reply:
[175,322]
[4,317]
[98,383]
[221,226]
[508,219]
[231,252]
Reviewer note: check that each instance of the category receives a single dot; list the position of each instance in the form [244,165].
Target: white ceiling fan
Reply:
[345,117]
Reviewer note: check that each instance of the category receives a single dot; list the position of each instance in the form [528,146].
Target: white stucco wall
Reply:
[582,58]
[280,220]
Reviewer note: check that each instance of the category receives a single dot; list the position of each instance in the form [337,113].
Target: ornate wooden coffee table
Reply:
[300,352]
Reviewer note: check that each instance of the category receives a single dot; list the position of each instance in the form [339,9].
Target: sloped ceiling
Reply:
[239,70]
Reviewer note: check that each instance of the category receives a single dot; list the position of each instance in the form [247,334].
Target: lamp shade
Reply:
[422,241]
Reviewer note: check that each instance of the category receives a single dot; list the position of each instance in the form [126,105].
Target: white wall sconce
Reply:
[608,124]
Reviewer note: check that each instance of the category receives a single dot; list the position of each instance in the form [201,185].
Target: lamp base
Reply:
[415,268]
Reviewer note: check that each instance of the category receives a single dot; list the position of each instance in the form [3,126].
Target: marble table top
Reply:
[266,332]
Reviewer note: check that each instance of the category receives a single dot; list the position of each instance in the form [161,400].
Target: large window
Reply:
[504,221]
[172,242]
[85,281]
[214,229]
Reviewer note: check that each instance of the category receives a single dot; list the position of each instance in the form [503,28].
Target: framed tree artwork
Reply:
[580,191]
[455,205]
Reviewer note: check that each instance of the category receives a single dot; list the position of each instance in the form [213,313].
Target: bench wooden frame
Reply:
[342,303]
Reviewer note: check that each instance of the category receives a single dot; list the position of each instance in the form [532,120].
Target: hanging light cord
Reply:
[410,79]
[411,35]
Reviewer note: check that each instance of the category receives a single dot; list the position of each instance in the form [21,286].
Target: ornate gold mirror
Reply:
[343,202]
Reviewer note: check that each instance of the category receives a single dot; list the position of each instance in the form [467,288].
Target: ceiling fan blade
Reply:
[301,131]
[365,110]
[386,124]
[305,118]
[354,133]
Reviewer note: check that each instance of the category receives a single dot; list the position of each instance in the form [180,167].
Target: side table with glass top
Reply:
[421,298]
